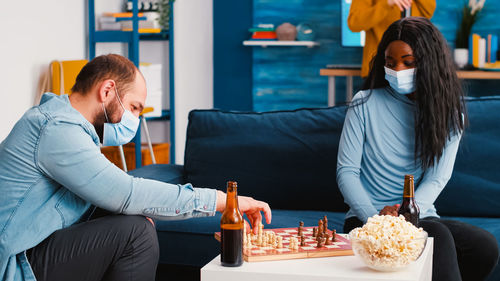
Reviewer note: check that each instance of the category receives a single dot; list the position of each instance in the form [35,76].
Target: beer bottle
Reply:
[409,208]
[231,225]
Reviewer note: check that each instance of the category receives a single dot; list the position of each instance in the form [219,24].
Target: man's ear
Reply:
[106,90]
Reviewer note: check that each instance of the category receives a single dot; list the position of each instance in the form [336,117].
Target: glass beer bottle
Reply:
[231,225]
[409,208]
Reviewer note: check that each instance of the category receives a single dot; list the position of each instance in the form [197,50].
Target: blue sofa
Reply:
[289,159]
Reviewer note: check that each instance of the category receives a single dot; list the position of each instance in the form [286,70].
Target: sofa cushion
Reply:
[474,188]
[287,158]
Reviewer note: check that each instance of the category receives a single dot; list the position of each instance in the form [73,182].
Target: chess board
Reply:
[341,247]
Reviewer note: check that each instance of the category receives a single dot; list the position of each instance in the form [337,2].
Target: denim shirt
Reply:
[52,170]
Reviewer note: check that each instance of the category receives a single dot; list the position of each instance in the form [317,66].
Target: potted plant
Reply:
[165,9]
[470,15]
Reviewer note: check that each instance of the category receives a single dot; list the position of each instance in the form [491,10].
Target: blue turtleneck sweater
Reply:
[376,151]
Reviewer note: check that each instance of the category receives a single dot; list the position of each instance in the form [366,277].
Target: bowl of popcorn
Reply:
[388,243]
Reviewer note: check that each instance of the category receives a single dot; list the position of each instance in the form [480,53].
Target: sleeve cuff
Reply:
[205,200]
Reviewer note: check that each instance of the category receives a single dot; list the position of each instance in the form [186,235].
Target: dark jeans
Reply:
[115,247]
[461,251]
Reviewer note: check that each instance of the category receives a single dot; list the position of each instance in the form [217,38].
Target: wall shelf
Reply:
[264,43]
[132,38]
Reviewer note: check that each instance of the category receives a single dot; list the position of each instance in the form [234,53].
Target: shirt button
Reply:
[177,211]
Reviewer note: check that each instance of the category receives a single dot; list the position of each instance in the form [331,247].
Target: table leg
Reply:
[331,90]
[348,89]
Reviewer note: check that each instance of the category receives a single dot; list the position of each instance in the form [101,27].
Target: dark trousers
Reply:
[115,247]
[461,251]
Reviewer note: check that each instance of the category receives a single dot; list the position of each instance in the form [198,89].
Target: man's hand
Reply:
[150,220]
[249,206]
[390,210]
[402,4]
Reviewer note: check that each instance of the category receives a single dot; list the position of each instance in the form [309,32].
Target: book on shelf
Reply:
[145,30]
[264,35]
[492,48]
[265,25]
[110,26]
[483,49]
[263,31]
[257,29]
[122,15]
[117,19]
[482,52]
[142,24]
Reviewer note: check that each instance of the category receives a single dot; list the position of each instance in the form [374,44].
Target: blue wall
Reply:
[288,77]
[232,61]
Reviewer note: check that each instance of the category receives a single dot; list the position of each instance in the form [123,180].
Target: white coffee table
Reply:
[347,268]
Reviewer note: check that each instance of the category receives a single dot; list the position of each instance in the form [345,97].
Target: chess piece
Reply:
[249,244]
[280,242]
[319,235]
[325,224]
[320,243]
[314,232]
[302,240]
[334,234]
[328,240]
[300,229]
[320,226]
[293,243]
[259,241]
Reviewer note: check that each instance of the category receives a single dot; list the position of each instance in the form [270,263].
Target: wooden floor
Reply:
[177,273]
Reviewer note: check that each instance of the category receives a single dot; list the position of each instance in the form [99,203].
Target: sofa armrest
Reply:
[162,172]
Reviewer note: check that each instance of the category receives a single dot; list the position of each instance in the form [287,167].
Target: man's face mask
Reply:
[402,81]
[122,132]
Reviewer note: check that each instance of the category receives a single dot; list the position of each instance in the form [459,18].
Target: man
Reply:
[52,171]
[375,16]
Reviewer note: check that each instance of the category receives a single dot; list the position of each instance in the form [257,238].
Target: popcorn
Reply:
[388,242]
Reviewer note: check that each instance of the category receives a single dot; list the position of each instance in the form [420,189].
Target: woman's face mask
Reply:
[402,81]
[122,132]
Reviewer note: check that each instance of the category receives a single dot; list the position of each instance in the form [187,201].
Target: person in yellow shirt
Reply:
[375,16]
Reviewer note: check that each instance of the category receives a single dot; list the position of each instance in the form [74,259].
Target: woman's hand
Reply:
[402,4]
[390,210]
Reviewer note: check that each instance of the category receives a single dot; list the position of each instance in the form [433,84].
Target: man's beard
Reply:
[100,118]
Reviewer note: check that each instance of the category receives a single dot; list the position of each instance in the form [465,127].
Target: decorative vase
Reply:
[286,32]
[461,57]
[305,32]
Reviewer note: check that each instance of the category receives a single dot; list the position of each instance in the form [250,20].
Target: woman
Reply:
[374,16]
[408,119]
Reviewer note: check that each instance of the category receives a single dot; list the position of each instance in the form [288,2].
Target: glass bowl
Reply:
[386,254]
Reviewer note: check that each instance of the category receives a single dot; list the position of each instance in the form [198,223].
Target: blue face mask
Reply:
[402,81]
[122,132]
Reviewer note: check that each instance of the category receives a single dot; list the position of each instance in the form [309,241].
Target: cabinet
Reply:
[132,38]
